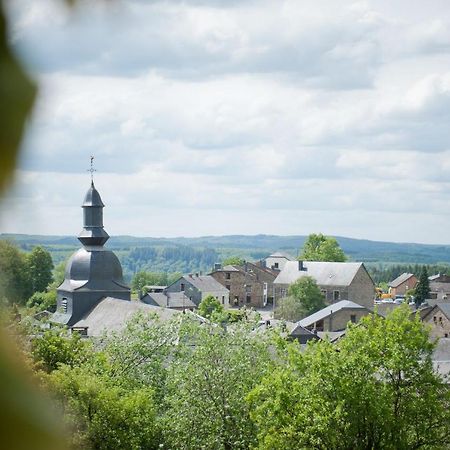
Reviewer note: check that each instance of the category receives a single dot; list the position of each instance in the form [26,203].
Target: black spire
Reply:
[93,232]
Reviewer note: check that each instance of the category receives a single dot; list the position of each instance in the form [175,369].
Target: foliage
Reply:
[304,298]
[55,346]
[207,383]
[378,391]
[233,261]
[321,248]
[143,278]
[422,289]
[104,415]
[43,301]
[40,267]
[14,282]
[59,273]
[210,307]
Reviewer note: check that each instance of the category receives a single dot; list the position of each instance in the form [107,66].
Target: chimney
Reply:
[301,266]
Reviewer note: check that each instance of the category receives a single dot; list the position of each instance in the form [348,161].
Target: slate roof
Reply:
[111,314]
[281,255]
[168,300]
[205,283]
[325,273]
[400,279]
[327,311]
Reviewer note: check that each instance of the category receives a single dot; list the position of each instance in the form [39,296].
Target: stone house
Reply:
[337,281]
[439,319]
[277,260]
[334,317]
[402,284]
[196,287]
[249,284]
[173,300]
[440,288]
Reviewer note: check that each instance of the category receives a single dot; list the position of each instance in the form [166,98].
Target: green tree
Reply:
[43,301]
[210,307]
[207,386]
[422,289]
[40,267]
[233,261]
[304,298]
[322,248]
[379,390]
[14,282]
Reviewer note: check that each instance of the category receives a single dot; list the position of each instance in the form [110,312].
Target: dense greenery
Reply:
[304,298]
[321,248]
[22,274]
[143,279]
[210,307]
[422,289]
[185,384]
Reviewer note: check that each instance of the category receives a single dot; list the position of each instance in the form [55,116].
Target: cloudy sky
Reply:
[237,117]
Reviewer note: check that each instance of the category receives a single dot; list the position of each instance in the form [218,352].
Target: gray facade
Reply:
[196,287]
[93,272]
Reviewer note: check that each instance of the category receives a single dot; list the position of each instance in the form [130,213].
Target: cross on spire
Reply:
[92,170]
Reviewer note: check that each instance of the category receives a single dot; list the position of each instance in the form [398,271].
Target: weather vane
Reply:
[92,170]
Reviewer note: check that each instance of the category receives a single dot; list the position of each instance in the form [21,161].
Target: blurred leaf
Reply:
[17,94]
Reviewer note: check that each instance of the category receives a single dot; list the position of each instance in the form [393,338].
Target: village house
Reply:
[333,318]
[402,284]
[336,280]
[438,317]
[439,288]
[250,285]
[277,260]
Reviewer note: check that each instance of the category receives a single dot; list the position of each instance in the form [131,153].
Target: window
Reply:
[248,298]
[228,286]
[248,288]
[433,295]
[446,335]
[227,276]
[275,266]
[353,318]
[64,305]
[182,287]
[336,295]
[324,293]
[223,299]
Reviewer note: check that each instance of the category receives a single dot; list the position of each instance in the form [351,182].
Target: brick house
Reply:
[337,281]
[249,284]
[402,283]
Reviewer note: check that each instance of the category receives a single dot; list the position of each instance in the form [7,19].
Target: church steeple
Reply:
[93,233]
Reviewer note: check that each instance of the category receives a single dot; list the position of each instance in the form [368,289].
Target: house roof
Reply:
[205,283]
[281,255]
[111,314]
[328,311]
[169,300]
[401,279]
[325,273]
[444,307]
[302,331]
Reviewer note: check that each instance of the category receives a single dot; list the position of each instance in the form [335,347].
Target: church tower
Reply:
[93,272]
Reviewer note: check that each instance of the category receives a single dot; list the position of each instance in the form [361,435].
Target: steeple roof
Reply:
[92,197]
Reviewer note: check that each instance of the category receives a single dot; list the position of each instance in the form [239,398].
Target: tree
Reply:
[304,298]
[376,389]
[14,282]
[233,261]
[207,386]
[210,307]
[322,248]
[40,267]
[43,301]
[422,289]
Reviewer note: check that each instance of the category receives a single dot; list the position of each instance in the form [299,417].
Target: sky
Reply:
[214,117]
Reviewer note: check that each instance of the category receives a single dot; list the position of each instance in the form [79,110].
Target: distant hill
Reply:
[199,254]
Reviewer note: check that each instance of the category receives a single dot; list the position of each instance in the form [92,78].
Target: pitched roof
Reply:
[111,314]
[328,311]
[205,283]
[325,273]
[400,279]
[302,331]
[445,308]
[169,300]
[281,255]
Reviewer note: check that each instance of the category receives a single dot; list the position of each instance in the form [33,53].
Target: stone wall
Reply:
[440,324]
